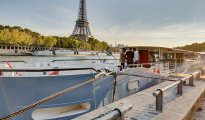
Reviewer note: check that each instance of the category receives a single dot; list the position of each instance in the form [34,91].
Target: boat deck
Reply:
[175,106]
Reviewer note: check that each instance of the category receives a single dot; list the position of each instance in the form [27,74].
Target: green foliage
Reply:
[97,45]
[15,36]
[49,41]
[196,47]
[25,37]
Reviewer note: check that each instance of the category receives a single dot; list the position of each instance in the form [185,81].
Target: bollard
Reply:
[191,81]
[180,88]
[159,99]
[202,71]
[199,74]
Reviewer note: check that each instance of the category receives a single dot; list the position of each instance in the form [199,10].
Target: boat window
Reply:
[133,85]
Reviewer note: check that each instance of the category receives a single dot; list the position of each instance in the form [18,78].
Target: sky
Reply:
[167,23]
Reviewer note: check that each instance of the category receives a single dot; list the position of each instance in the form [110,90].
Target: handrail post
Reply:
[191,80]
[159,99]
[198,75]
[180,88]
[202,71]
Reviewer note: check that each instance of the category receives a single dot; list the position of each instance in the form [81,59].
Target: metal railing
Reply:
[18,61]
[35,70]
[83,60]
[141,65]
[161,68]
[159,93]
[45,70]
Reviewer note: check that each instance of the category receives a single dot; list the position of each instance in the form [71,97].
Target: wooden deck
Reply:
[176,107]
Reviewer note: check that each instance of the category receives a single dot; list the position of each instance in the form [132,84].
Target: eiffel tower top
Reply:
[82,29]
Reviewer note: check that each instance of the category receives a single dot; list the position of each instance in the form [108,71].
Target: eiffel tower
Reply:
[82,29]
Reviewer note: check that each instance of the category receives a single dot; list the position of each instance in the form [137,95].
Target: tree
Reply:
[19,36]
[5,36]
[105,45]
[92,43]
[197,47]
[1,27]
[49,41]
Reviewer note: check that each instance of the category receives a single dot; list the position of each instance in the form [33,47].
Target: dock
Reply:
[179,98]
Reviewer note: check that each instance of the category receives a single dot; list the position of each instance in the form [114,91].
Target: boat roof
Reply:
[159,47]
[200,53]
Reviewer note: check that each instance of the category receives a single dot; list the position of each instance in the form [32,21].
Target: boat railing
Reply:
[55,71]
[159,93]
[45,70]
[188,65]
[16,61]
[117,113]
[183,65]
[15,69]
[85,60]
[161,68]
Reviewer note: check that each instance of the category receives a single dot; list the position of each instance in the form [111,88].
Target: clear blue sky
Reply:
[133,22]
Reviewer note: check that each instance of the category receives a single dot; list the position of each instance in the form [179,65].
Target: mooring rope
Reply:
[114,88]
[47,99]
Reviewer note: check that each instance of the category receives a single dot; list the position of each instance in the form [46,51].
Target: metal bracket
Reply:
[115,114]
[122,109]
